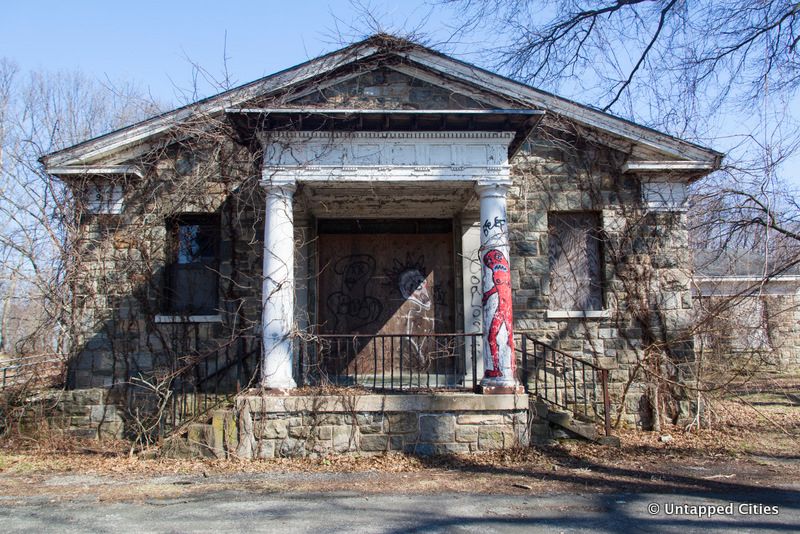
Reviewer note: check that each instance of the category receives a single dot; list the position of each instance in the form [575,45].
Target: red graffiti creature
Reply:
[501,277]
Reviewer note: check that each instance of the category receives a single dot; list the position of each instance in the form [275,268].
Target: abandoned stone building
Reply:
[393,219]
[746,319]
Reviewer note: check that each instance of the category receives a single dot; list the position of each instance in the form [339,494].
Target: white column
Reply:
[498,336]
[277,296]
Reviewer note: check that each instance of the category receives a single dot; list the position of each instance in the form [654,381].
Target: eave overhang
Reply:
[687,171]
[96,170]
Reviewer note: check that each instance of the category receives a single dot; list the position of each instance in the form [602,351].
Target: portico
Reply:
[467,164]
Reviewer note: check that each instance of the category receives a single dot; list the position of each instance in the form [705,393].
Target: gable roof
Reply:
[374,48]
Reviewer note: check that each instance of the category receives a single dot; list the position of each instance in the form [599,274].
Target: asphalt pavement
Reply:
[767,510]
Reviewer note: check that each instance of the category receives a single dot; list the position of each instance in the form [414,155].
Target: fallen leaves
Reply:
[741,445]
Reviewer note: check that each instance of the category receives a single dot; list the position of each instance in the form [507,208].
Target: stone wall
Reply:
[783,317]
[86,413]
[645,268]
[421,424]
[119,294]
[125,331]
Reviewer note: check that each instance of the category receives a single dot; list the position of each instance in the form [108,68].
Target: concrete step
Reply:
[584,430]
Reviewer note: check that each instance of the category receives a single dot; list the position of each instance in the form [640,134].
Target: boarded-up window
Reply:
[192,281]
[575,266]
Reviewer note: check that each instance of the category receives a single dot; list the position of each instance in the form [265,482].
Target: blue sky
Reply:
[153,43]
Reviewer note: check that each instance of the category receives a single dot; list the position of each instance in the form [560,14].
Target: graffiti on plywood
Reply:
[440,295]
[498,315]
[352,304]
[409,278]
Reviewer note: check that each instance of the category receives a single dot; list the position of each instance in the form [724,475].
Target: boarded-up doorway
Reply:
[392,282]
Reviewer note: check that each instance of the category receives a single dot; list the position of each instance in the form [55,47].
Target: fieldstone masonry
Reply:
[645,264]
[761,330]
[417,424]
[86,413]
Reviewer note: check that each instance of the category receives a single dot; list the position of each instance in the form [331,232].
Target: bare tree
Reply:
[681,67]
[39,113]
[709,71]
[720,73]
[704,50]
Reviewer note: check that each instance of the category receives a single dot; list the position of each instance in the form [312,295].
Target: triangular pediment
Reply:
[387,88]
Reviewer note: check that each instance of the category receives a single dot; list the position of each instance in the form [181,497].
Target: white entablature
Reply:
[385,156]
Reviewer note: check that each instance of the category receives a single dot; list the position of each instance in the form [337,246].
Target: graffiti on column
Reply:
[499,223]
[501,314]
[352,306]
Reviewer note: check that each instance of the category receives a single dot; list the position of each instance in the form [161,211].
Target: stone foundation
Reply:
[438,423]
[84,413]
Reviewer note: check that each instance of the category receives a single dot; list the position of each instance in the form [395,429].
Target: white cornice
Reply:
[502,136]
[93,170]
[387,155]
[753,279]
[667,166]
[721,286]
[362,111]
[386,173]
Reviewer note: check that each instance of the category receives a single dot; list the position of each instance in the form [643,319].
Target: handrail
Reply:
[527,335]
[578,380]
[38,357]
[10,373]
[350,336]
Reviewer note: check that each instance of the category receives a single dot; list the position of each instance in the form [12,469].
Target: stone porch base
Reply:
[424,424]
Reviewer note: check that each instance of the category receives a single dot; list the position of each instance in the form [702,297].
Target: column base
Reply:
[500,390]
[279,387]
[277,392]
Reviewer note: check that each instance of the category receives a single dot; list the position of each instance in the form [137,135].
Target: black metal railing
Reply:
[189,386]
[388,362]
[566,381]
[40,369]
[194,385]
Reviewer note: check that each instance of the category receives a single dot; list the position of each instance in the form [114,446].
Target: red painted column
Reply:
[498,336]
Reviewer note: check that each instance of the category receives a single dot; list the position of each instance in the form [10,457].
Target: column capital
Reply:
[281,186]
[492,188]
